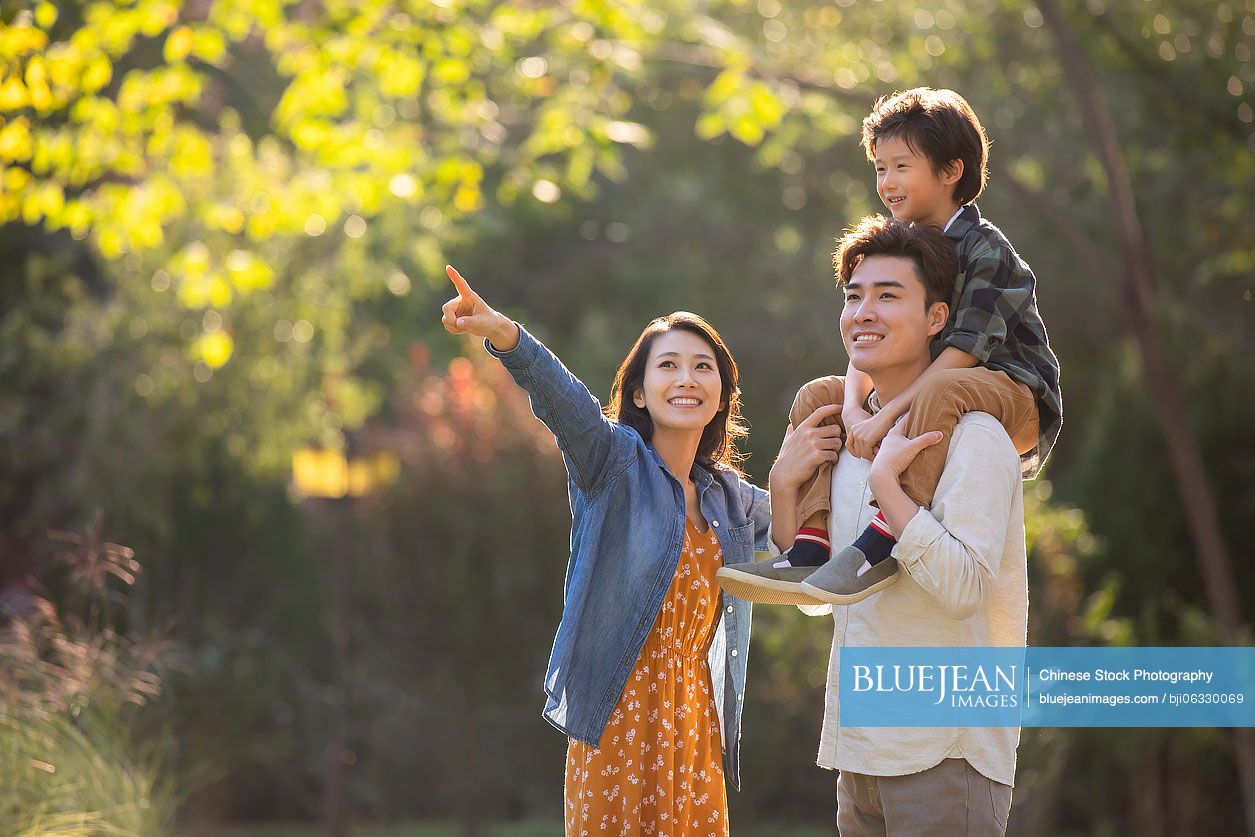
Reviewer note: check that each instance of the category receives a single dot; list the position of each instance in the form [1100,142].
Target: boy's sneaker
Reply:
[839,583]
[764,582]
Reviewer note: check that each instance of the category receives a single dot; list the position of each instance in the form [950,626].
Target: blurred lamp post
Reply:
[333,479]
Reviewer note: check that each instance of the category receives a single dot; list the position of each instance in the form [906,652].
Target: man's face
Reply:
[885,324]
[909,187]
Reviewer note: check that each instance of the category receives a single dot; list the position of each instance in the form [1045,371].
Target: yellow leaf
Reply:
[192,156]
[247,272]
[41,96]
[111,243]
[77,217]
[310,134]
[193,261]
[220,292]
[178,43]
[724,85]
[157,16]
[36,72]
[215,349]
[468,198]
[452,72]
[64,66]
[193,292]
[51,199]
[747,130]
[261,226]
[45,15]
[767,108]
[16,41]
[97,73]
[31,212]
[13,94]
[210,46]
[710,125]
[15,141]
[400,75]
[16,179]
[147,235]
[227,218]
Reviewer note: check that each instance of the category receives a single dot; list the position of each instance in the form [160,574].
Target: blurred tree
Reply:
[444,578]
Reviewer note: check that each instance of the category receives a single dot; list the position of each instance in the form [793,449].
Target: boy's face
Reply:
[885,324]
[909,187]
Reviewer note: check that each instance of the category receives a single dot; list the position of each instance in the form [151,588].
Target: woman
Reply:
[647,674]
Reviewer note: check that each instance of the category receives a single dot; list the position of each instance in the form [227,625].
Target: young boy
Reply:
[930,152]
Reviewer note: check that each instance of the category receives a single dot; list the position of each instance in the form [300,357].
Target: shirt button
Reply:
[729,608]
[740,697]
[715,523]
[733,652]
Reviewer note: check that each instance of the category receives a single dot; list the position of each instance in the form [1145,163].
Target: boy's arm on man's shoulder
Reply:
[950,358]
[954,550]
[996,293]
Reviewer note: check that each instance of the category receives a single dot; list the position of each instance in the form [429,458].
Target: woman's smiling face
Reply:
[683,389]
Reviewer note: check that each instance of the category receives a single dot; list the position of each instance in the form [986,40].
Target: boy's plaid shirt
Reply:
[993,317]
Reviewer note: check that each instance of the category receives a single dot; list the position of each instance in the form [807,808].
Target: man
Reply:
[965,576]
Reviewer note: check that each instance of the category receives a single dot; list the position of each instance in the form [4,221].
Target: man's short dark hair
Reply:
[940,126]
[932,253]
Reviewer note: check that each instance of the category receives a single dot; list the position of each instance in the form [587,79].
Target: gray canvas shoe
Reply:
[764,583]
[839,583]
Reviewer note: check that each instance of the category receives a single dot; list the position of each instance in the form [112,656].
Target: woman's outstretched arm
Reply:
[559,399]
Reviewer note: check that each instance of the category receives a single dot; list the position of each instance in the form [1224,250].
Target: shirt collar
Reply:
[963,221]
[952,217]
[873,403]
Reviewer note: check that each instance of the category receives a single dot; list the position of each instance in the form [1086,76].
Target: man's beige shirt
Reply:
[964,583]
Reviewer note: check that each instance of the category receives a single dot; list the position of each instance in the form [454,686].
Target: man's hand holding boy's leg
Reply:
[866,567]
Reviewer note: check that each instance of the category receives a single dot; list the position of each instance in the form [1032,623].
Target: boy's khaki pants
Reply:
[951,798]
[942,400]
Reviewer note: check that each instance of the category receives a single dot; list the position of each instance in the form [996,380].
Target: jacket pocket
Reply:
[738,544]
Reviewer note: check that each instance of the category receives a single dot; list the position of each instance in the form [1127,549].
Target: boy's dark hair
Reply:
[926,246]
[717,447]
[938,125]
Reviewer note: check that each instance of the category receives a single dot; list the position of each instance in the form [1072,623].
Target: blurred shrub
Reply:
[78,685]
[459,578]
[1110,781]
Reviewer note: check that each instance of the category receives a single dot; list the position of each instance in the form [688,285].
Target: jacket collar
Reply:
[969,217]
[702,477]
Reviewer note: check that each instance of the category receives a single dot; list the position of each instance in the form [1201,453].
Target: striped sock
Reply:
[811,548]
[877,541]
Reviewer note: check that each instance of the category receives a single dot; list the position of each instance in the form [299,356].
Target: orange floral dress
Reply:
[659,770]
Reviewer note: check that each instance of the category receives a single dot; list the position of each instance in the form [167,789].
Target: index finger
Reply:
[458,282]
[819,415]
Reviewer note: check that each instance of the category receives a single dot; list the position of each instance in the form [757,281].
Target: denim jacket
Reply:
[627,529]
